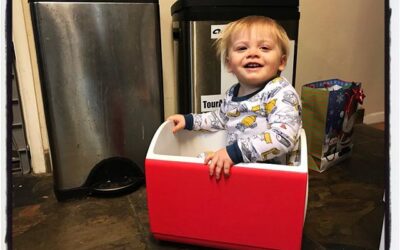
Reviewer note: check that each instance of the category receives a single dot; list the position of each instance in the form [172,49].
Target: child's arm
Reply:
[210,121]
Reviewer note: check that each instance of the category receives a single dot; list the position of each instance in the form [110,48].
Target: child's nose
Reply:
[253,52]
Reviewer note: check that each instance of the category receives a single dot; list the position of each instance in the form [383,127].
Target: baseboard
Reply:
[374,118]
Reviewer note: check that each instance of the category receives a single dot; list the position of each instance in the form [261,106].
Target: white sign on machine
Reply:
[212,102]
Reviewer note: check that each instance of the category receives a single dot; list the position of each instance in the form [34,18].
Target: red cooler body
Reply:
[260,206]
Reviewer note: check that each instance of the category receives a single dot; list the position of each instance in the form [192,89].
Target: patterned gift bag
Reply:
[329,113]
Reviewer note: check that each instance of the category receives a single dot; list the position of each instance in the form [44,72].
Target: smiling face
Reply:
[254,56]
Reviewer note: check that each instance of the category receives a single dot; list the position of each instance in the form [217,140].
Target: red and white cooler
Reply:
[259,206]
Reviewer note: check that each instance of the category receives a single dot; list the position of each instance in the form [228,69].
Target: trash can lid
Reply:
[97,1]
[192,10]
[180,5]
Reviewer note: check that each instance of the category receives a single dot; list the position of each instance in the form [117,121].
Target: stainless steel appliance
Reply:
[100,65]
[196,24]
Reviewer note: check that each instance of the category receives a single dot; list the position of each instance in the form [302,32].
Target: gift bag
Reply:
[329,113]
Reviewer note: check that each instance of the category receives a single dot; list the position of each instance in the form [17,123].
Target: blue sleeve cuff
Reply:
[234,152]
[188,121]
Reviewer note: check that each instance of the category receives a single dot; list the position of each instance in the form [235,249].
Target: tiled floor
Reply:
[345,209]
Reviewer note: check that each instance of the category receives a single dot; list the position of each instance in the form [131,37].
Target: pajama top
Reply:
[261,127]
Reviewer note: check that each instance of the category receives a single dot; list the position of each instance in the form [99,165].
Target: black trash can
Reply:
[196,23]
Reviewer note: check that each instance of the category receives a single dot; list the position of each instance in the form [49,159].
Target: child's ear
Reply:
[283,62]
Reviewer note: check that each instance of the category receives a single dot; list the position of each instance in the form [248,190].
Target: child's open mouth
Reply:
[252,65]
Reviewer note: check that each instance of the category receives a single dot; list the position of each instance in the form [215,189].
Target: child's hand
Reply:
[179,122]
[218,162]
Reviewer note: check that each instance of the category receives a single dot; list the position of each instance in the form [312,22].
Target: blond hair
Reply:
[223,43]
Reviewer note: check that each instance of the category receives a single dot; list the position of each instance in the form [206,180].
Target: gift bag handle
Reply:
[334,152]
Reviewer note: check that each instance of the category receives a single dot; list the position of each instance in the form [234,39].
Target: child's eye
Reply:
[241,48]
[264,48]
